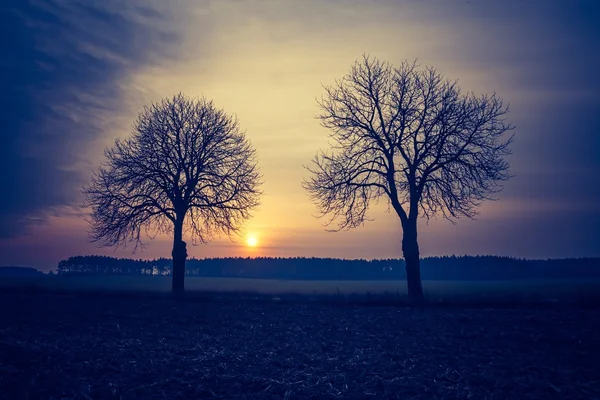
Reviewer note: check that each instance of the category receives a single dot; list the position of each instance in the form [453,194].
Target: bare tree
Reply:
[411,136]
[187,168]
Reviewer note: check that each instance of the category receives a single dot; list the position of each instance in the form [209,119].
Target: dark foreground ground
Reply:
[75,346]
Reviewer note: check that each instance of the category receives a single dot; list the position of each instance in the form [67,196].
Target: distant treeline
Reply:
[19,272]
[300,268]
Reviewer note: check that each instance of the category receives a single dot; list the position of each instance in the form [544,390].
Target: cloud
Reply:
[61,74]
[78,72]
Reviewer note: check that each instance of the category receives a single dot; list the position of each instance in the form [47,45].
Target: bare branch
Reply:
[409,134]
[185,158]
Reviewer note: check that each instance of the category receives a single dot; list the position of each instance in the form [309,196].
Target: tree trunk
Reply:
[410,250]
[179,255]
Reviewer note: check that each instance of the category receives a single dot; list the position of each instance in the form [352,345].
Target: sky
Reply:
[76,73]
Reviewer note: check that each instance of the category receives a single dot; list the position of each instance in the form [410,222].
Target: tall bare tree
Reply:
[411,136]
[186,168]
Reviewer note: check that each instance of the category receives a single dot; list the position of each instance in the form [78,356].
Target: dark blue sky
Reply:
[59,72]
[74,73]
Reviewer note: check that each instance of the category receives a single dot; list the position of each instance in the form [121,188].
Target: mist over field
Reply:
[444,278]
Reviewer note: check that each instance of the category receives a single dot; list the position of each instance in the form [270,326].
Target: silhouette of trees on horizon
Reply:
[186,168]
[314,268]
[411,136]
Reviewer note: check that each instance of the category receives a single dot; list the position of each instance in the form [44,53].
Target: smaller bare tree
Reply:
[411,136]
[187,168]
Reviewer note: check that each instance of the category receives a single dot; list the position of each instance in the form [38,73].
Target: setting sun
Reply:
[252,241]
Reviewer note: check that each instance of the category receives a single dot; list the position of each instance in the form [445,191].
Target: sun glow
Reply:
[252,241]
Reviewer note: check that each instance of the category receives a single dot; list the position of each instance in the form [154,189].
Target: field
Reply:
[136,345]
[517,290]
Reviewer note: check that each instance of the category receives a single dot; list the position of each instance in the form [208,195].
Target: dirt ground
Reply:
[75,346]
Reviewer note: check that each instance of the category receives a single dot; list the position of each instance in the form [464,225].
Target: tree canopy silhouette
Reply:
[411,136]
[186,168]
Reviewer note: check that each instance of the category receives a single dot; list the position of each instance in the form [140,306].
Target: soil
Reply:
[74,346]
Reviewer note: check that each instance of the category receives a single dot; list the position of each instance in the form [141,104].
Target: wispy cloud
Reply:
[61,75]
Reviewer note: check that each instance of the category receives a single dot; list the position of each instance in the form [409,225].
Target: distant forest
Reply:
[300,268]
